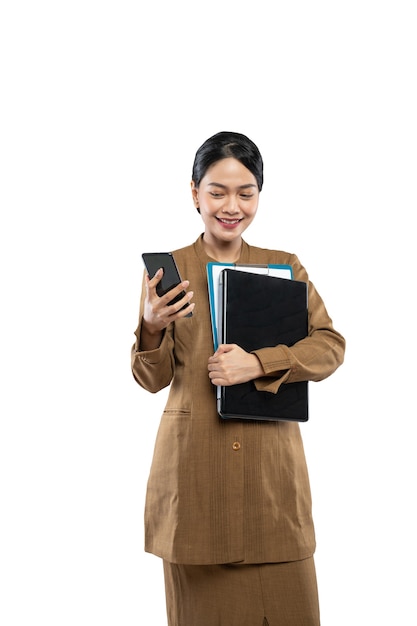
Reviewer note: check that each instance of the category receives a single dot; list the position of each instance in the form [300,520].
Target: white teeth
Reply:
[229,221]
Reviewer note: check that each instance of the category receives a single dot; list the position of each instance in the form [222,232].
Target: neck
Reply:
[226,252]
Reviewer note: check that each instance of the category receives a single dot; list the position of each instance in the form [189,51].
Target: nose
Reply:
[231,206]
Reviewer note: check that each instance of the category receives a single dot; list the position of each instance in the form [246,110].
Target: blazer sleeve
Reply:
[153,369]
[314,358]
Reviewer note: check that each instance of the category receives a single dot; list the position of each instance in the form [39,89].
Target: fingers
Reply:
[172,294]
[231,365]
[152,282]
[218,367]
[223,348]
[160,311]
[181,307]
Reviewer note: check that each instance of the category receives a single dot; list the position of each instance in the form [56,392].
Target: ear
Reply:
[194,193]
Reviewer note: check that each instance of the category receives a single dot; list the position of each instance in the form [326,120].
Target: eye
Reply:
[246,196]
[216,194]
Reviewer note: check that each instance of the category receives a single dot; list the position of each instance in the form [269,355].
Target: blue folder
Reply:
[214,270]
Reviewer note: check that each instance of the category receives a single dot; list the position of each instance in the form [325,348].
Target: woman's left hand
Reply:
[231,365]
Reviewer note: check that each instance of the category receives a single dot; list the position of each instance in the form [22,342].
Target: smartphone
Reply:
[171,277]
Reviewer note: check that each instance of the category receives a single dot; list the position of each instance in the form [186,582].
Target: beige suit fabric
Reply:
[228,491]
[270,594]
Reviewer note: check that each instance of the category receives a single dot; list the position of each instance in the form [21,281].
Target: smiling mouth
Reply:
[224,221]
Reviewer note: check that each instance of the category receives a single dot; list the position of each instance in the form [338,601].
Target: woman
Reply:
[228,504]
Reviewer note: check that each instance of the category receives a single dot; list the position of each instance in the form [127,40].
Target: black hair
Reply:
[224,145]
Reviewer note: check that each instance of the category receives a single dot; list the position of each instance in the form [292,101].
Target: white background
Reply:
[103,105]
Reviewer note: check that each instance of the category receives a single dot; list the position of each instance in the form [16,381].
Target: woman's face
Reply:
[227,199]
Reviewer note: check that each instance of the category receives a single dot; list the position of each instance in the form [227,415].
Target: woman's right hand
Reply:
[158,313]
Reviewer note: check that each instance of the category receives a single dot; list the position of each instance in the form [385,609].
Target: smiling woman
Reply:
[227,200]
[228,504]
[226,182]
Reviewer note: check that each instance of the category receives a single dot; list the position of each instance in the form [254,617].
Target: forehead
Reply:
[229,171]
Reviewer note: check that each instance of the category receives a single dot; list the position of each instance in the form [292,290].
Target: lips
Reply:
[228,222]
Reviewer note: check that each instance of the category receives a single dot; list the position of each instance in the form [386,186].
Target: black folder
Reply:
[259,311]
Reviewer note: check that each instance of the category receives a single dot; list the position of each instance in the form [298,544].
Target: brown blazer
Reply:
[227,491]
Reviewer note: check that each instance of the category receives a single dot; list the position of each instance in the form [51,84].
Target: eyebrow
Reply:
[247,186]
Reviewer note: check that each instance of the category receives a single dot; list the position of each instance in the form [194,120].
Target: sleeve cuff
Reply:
[276,365]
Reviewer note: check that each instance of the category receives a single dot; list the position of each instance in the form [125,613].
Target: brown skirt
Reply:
[272,594]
